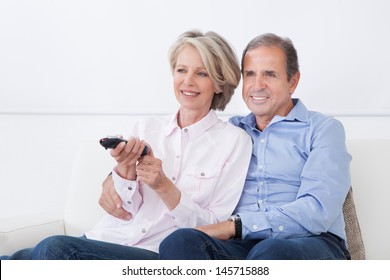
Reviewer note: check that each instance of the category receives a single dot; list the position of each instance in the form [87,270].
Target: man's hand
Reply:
[111,202]
[223,230]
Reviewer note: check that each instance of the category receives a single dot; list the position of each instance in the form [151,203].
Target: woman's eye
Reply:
[181,70]
[202,74]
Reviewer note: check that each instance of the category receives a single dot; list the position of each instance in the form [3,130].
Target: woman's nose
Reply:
[189,79]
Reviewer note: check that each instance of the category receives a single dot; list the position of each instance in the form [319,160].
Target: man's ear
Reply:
[294,82]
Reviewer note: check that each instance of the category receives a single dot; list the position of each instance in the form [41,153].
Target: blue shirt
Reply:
[298,176]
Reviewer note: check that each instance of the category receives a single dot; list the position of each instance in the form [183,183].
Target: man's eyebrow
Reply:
[248,71]
[268,72]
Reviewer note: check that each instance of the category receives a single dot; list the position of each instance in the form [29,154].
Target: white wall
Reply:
[111,56]
[78,70]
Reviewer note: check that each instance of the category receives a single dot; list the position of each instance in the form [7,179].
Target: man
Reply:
[291,205]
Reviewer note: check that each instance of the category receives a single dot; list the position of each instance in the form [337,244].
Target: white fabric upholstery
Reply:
[26,231]
[92,164]
[91,167]
[370,183]
[369,169]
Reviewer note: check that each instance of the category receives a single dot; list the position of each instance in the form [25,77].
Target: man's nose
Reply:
[260,82]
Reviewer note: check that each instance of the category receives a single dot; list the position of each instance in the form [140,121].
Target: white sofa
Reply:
[369,170]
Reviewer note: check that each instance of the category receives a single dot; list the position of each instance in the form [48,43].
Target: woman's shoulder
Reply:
[232,130]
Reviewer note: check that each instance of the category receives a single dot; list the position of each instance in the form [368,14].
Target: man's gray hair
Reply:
[272,40]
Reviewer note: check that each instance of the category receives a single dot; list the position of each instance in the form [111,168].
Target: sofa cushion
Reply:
[21,232]
[354,236]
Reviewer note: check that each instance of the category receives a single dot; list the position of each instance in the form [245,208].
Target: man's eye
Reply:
[249,74]
[271,74]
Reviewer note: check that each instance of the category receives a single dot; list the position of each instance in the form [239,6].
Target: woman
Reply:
[194,172]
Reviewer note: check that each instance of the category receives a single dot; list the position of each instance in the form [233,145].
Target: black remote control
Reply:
[110,142]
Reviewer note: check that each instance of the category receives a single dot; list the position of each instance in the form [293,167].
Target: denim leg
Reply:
[24,254]
[322,247]
[80,248]
[192,244]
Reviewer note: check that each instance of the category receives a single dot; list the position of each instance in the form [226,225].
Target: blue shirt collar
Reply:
[298,113]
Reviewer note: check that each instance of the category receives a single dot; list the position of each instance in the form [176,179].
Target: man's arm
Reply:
[317,206]
[223,230]
[111,202]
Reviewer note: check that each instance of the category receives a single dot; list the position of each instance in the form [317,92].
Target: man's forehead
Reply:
[263,56]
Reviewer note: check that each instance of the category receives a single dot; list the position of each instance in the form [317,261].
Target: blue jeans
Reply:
[191,244]
[80,248]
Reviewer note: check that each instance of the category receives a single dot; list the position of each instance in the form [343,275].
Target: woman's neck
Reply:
[187,117]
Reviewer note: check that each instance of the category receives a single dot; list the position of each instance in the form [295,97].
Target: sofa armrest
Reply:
[21,232]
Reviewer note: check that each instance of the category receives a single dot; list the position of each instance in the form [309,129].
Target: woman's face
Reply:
[194,88]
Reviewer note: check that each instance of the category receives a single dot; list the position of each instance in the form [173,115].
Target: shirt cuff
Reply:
[255,225]
[129,193]
[184,214]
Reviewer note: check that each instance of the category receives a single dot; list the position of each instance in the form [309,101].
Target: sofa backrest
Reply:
[369,169]
[82,210]
[371,191]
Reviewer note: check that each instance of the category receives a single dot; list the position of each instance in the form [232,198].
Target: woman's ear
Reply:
[217,89]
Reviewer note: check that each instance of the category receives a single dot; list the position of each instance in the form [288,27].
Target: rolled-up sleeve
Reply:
[128,192]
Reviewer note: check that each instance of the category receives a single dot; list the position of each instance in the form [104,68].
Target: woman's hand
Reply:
[127,155]
[150,172]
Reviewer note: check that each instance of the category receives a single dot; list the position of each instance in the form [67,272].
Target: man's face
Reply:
[266,89]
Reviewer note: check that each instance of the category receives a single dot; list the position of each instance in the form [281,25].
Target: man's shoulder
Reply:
[318,118]
[323,123]
[236,121]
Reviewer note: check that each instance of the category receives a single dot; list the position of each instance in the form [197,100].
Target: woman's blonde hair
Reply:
[219,59]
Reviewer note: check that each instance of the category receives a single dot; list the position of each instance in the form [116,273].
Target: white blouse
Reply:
[207,161]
